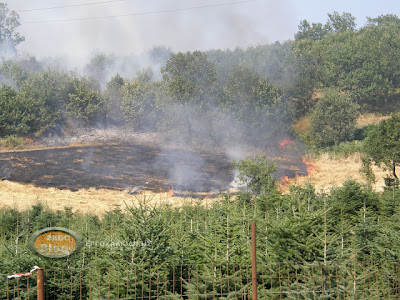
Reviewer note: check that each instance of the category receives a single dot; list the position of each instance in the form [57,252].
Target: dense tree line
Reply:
[261,90]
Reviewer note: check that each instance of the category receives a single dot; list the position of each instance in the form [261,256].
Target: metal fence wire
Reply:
[352,280]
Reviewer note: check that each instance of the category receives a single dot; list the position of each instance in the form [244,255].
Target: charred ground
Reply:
[127,166]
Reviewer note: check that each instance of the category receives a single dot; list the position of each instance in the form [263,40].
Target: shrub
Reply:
[13,142]
[333,119]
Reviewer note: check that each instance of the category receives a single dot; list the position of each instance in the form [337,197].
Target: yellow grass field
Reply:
[92,201]
[329,172]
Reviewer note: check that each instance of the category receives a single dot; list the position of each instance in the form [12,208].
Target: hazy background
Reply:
[233,23]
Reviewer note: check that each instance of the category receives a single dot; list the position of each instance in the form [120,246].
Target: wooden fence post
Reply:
[40,284]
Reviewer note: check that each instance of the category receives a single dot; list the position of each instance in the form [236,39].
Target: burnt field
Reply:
[132,167]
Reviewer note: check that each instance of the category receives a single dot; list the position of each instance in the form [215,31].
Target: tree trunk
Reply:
[396,179]
[188,123]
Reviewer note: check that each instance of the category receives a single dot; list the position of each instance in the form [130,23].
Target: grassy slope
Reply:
[333,170]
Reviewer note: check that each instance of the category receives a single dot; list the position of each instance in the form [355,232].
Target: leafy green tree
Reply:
[247,90]
[314,31]
[85,103]
[189,78]
[99,66]
[336,23]
[364,63]
[113,96]
[333,119]
[341,23]
[45,94]
[255,103]
[139,103]
[16,72]
[256,173]
[9,37]
[382,144]
[14,114]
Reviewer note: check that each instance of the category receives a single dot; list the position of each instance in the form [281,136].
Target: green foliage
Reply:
[189,78]
[382,144]
[351,225]
[13,142]
[113,98]
[333,119]
[9,21]
[44,94]
[14,116]
[256,173]
[247,90]
[15,72]
[139,103]
[350,199]
[341,23]
[314,31]
[256,104]
[336,24]
[99,66]
[85,104]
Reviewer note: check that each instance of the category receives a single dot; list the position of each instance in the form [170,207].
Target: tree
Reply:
[245,88]
[189,78]
[336,23]
[45,94]
[341,23]
[9,37]
[99,66]
[382,144]
[113,96]
[314,31]
[85,103]
[255,103]
[256,173]
[13,113]
[333,119]
[138,103]
[18,71]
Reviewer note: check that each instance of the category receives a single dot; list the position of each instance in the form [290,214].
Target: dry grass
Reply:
[92,201]
[302,126]
[368,119]
[330,172]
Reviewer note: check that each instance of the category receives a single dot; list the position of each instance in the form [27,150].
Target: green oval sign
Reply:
[55,242]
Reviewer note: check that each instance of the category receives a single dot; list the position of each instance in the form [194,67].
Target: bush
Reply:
[85,103]
[333,119]
[13,142]
[257,173]
[43,96]
[15,114]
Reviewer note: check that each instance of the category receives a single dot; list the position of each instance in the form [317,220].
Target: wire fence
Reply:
[351,280]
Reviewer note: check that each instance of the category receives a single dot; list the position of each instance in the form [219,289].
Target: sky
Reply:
[125,27]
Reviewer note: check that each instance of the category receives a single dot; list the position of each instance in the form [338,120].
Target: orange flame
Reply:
[285,142]
[285,180]
[310,166]
[170,193]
